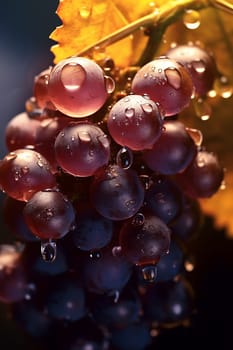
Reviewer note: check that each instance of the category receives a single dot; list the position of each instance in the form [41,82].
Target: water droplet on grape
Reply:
[173,77]
[109,84]
[129,112]
[73,76]
[223,185]
[145,179]
[149,273]
[85,11]
[196,135]
[84,136]
[191,19]
[117,251]
[95,254]
[189,264]
[138,219]
[124,158]
[11,156]
[199,66]
[147,107]
[202,109]
[48,250]
[223,87]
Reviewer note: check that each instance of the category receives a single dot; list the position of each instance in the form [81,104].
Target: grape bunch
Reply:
[102,185]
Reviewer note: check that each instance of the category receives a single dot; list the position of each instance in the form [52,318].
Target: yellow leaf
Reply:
[85,22]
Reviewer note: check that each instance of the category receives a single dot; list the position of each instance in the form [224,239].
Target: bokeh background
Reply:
[25,26]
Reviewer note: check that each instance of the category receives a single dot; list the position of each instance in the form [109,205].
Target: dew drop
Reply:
[109,84]
[189,264]
[191,19]
[117,251]
[149,273]
[116,296]
[84,136]
[138,219]
[124,158]
[85,11]
[73,76]
[129,112]
[48,250]
[25,170]
[196,135]
[145,179]
[223,87]
[147,107]
[223,185]
[173,77]
[95,254]
[199,66]
[202,108]
[11,156]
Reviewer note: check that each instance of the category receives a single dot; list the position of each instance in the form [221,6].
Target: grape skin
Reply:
[49,214]
[24,172]
[76,87]
[135,121]
[173,151]
[166,82]
[116,193]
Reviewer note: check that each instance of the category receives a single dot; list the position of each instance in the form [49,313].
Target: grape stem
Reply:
[157,22]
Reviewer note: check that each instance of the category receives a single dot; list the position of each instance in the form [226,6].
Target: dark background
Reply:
[25,51]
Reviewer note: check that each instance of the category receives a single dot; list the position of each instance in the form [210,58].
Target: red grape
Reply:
[200,64]
[21,131]
[49,214]
[166,82]
[77,86]
[134,121]
[173,151]
[82,148]
[24,172]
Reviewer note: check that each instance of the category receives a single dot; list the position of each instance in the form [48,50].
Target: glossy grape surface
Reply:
[77,87]
[134,121]
[24,172]
[81,149]
[166,82]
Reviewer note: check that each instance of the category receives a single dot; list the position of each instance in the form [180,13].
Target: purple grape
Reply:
[164,198]
[173,151]
[109,274]
[65,298]
[189,221]
[77,87]
[81,149]
[203,177]
[144,242]
[49,214]
[166,82]
[134,121]
[92,230]
[200,64]
[169,302]
[116,193]
[21,131]
[170,265]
